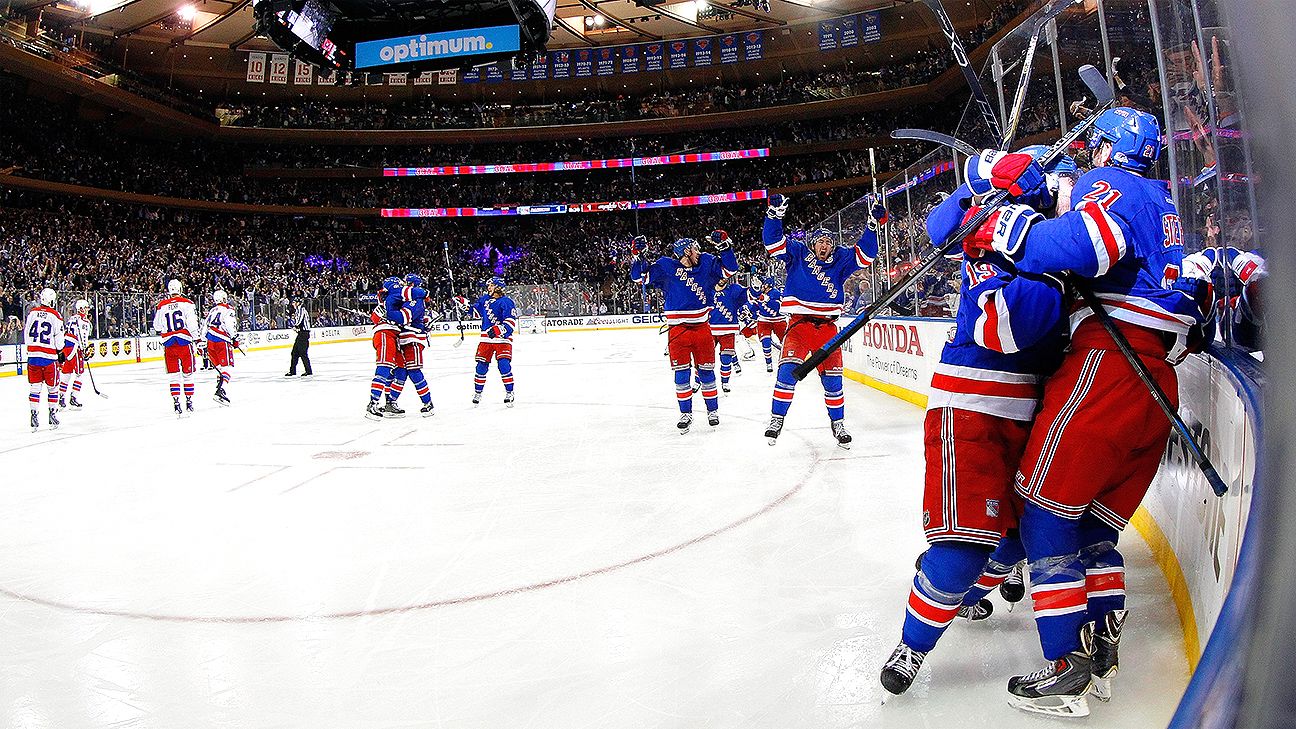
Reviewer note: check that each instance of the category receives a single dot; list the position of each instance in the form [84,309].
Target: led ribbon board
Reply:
[588,207]
[433,46]
[588,164]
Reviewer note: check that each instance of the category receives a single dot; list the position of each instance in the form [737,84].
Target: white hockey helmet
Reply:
[174,287]
[218,296]
[82,305]
[48,297]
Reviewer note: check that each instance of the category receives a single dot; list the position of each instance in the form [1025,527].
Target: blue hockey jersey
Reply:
[767,305]
[688,291]
[1009,332]
[1125,235]
[727,304]
[814,287]
[499,318]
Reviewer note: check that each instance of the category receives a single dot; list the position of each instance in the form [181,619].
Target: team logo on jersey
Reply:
[992,508]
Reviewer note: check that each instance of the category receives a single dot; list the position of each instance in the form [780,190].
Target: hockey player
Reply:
[220,332]
[387,317]
[176,321]
[1098,438]
[765,299]
[499,323]
[76,343]
[1009,335]
[816,273]
[412,339]
[688,281]
[43,332]
[728,303]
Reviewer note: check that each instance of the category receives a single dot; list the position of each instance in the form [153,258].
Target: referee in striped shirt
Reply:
[301,347]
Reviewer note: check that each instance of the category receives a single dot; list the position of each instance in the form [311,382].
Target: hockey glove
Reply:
[778,205]
[1019,174]
[1003,232]
[638,245]
[87,352]
[61,357]
[877,217]
[721,240]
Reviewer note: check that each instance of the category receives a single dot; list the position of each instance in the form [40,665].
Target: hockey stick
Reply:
[93,386]
[926,135]
[955,239]
[1053,10]
[445,248]
[965,65]
[1194,448]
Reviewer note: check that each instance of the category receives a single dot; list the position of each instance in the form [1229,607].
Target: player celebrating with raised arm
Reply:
[728,303]
[220,330]
[1008,336]
[412,339]
[1099,436]
[499,323]
[176,321]
[76,343]
[688,282]
[387,317]
[43,331]
[816,275]
[766,301]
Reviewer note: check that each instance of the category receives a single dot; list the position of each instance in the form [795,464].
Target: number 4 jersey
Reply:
[176,321]
[44,334]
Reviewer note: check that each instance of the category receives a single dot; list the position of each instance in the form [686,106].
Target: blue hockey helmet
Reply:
[495,281]
[819,234]
[1063,166]
[413,279]
[683,245]
[1135,137]
[391,283]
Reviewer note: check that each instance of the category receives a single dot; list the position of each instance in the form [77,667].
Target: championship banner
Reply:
[471,76]
[540,68]
[606,61]
[871,26]
[279,68]
[494,73]
[679,54]
[303,73]
[584,63]
[849,31]
[560,62]
[397,79]
[754,46]
[729,48]
[519,73]
[256,69]
[447,76]
[653,56]
[827,35]
[702,51]
[427,78]
[630,59]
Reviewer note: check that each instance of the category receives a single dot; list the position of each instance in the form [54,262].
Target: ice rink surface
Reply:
[571,562]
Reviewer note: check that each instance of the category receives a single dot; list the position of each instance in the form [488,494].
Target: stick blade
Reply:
[1097,84]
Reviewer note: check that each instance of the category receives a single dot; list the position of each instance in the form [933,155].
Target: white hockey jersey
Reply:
[221,324]
[76,331]
[176,321]
[43,335]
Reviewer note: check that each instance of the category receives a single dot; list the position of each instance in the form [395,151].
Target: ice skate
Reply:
[373,412]
[769,367]
[840,433]
[508,399]
[1105,660]
[73,403]
[477,398]
[713,418]
[426,410]
[775,427]
[980,611]
[1013,588]
[53,419]
[686,419]
[189,405]
[1061,687]
[899,670]
[724,387]
[696,387]
[179,411]
[221,397]
[392,410]
[62,402]
[35,421]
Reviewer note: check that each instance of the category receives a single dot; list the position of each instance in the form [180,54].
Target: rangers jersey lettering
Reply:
[726,308]
[499,319]
[814,287]
[767,304]
[43,335]
[176,321]
[687,290]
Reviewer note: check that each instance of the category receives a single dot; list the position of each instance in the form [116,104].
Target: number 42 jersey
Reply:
[44,335]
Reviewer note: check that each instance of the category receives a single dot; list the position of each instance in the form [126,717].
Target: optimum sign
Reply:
[433,46]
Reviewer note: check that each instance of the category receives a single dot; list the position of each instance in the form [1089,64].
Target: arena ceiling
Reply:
[228,23]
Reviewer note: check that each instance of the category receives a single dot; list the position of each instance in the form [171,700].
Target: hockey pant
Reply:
[44,377]
[502,352]
[803,336]
[689,346]
[180,367]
